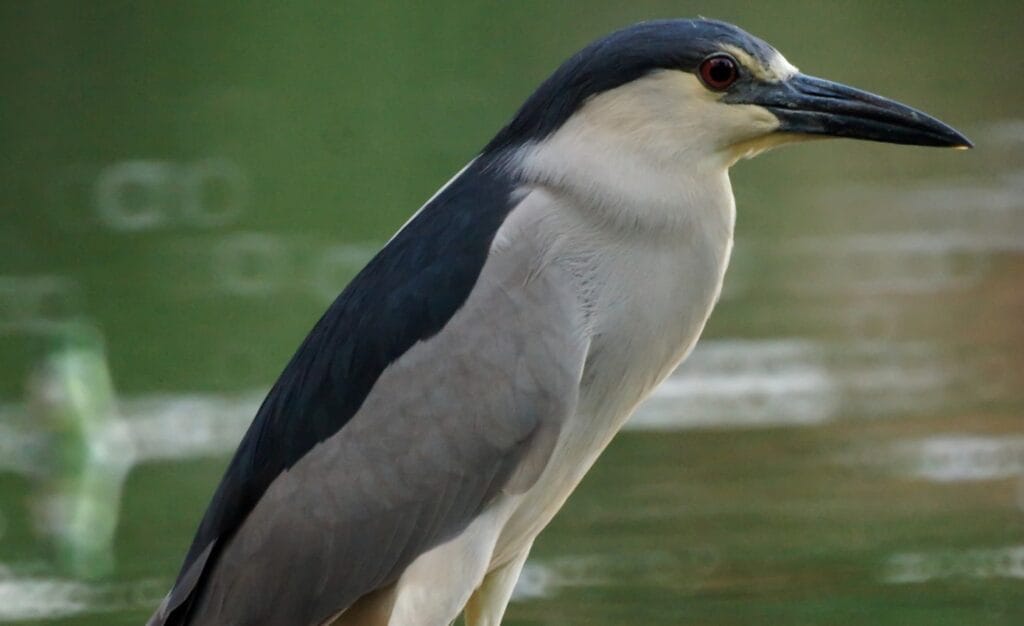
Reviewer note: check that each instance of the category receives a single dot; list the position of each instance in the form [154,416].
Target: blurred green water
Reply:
[198,180]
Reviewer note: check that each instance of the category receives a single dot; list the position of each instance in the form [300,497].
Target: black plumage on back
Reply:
[407,293]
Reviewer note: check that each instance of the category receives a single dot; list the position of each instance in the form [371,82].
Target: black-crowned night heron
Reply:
[443,409]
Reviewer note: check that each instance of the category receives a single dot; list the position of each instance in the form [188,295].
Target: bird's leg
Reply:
[373,609]
[487,604]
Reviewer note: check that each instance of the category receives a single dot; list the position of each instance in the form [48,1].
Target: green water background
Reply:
[196,181]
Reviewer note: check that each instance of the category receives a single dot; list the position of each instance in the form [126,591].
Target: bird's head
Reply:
[691,94]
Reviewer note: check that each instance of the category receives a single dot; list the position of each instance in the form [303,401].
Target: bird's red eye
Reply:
[719,72]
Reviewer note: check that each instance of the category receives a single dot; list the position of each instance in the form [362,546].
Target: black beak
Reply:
[813,106]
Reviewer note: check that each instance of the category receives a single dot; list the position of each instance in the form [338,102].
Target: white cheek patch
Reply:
[782,68]
[777,70]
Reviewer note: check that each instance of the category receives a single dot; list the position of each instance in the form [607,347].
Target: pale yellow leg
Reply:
[487,605]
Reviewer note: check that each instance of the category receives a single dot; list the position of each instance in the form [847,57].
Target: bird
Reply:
[447,403]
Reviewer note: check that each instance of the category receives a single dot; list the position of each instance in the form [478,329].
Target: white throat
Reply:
[652,155]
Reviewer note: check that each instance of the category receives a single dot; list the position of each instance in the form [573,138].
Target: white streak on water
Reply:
[173,426]
[41,598]
[537,580]
[987,563]
[961,458]
[676,570]
[38,597]
[729,384]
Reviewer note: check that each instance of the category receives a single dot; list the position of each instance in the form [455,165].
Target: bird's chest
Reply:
[654,302]
[648,306]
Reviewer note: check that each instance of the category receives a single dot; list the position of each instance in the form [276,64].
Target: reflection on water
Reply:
[845,446]
[765,383]
[27,598]
[948,458]
[911,567]
[149,195]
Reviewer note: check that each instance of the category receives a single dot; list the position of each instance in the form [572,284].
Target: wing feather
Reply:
[410,406]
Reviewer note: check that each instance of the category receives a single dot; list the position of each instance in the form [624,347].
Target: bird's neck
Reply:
[633,183]
[649,246]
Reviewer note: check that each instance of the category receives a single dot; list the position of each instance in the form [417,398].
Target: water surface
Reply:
[186,186]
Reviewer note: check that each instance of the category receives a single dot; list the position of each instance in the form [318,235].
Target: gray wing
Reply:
[470,412]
